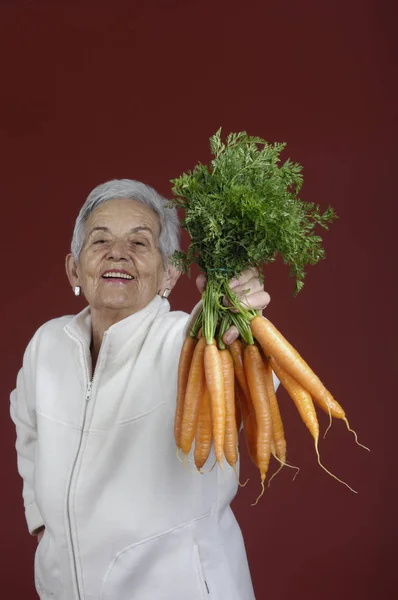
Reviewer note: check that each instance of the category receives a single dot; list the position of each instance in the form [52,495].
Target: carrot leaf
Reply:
[243,210]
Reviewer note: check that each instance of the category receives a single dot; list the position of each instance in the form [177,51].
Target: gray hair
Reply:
[169,236]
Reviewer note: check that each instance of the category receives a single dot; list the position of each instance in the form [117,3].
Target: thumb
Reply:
[201,281]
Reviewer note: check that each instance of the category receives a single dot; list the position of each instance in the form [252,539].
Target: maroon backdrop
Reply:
[96,90]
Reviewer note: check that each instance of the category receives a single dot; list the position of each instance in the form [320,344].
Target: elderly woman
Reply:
[116,514]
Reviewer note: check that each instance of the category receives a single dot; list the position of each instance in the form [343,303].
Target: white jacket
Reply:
[123,519]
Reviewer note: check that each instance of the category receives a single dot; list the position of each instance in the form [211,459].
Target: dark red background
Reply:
[96,90]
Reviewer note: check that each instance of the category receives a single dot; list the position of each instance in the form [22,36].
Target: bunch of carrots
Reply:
[222,388]
[243,210]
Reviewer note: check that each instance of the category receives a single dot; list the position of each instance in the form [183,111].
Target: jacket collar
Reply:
[121,332]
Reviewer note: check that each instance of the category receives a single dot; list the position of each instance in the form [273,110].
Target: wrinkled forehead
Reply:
[122,215]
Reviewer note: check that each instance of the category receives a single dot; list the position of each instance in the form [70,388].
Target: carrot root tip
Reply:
[297,471]
[330,423]
[262,492]
[284,463]
[207,470]
[185,462]
[329,473]
[276,472]
[237,478]
[214,464]
[354,434]
[178,455]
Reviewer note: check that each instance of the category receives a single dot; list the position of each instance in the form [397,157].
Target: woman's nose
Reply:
[117,251]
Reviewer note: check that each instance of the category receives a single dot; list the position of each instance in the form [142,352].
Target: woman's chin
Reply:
[122,300]
[116,302]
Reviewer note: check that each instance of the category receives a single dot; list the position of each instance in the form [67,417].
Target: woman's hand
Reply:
[250,292]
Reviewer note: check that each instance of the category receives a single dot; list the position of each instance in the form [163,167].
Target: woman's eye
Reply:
[99,242]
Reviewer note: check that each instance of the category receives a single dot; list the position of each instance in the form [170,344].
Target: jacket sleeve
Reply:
[191,319]
[23,414]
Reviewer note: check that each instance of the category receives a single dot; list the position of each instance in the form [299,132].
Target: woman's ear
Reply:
[171,277]
[71,270]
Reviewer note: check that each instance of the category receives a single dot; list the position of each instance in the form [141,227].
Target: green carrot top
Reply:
[243,210]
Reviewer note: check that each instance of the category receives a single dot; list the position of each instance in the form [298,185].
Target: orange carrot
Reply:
[230,438]
[249,422]
[182,380]
[215,385]
[301,398]
[203,437]
[273,343]
[254,370]
[193,396]
[277,425]
[236,350]
[238,414]
[305,406]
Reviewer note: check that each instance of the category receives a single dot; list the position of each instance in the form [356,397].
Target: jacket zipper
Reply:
[87,399]
[68,494]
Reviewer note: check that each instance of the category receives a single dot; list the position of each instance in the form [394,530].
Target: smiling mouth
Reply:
[115,276]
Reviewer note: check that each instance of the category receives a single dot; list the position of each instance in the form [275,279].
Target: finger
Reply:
[254,297]
[201,281]
[230,335]
[250,287]
[254,286]
[257,301]
[244,277]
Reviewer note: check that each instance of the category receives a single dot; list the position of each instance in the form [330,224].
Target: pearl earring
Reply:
[77,290]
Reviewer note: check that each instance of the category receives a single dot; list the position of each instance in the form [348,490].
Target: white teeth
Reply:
[118,275]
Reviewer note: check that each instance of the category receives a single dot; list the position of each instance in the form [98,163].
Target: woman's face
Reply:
[120,266]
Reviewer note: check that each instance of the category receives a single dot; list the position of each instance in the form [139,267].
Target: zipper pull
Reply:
[88,393]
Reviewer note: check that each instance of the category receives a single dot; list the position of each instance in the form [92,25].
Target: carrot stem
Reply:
[210,298]
[197,325]
[224,325]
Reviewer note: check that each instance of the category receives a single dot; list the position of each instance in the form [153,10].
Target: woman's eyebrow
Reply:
[99,228]
[140,228]
[94,229]
[137,229]
[133,230]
